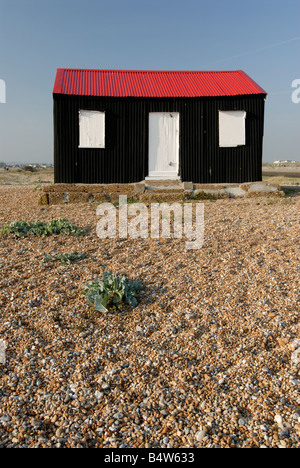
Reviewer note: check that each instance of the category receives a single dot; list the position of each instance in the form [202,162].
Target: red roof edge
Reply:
[57,89]
[249,79]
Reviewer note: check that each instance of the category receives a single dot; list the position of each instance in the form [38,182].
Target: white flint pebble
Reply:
[200,435]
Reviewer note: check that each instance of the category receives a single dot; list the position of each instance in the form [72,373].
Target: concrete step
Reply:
[162,184]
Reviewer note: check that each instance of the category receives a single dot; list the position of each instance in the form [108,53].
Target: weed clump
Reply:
[39,228]
[112,293]
[65,258]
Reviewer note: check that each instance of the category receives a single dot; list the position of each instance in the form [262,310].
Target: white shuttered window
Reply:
[232,128]
[91,129]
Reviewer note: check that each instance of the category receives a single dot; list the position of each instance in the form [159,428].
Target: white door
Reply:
[163,145]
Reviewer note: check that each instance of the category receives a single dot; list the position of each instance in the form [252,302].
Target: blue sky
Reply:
[38,36]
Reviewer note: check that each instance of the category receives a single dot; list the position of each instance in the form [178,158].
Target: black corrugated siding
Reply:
[125,157]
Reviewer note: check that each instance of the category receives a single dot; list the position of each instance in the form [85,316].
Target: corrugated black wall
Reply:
[125,157]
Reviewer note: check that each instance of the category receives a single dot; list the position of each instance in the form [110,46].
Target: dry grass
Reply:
[21,177]
[281,180]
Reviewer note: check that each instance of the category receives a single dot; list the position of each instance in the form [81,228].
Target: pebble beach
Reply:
[208,359]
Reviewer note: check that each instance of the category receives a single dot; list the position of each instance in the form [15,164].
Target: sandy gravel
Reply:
[209,358]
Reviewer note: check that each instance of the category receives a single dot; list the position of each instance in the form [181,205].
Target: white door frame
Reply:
[163,145]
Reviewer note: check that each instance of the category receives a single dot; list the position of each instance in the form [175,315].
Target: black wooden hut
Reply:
[119,126]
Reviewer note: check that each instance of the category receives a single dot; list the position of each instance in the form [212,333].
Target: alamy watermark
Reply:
[3,346]
[139,221]
[2,92]
[296,93]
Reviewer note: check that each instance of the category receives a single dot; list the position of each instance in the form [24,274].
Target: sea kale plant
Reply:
[112,293]
[65,258]
[39,228]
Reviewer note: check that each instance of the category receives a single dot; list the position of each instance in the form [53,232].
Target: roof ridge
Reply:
[146,71]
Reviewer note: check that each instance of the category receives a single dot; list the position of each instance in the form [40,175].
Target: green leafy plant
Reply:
[65,258]
[111,293]
[63,226]
[39,228]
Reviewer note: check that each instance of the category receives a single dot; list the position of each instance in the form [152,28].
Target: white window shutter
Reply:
[232,128]
[91,129]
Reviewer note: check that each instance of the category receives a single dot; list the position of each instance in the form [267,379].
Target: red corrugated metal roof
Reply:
[125,83]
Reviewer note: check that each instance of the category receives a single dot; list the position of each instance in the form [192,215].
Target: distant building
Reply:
[287,161]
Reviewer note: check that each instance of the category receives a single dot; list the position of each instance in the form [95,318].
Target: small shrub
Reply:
[66,259]
[29,169]
[41,229]
[111,293]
